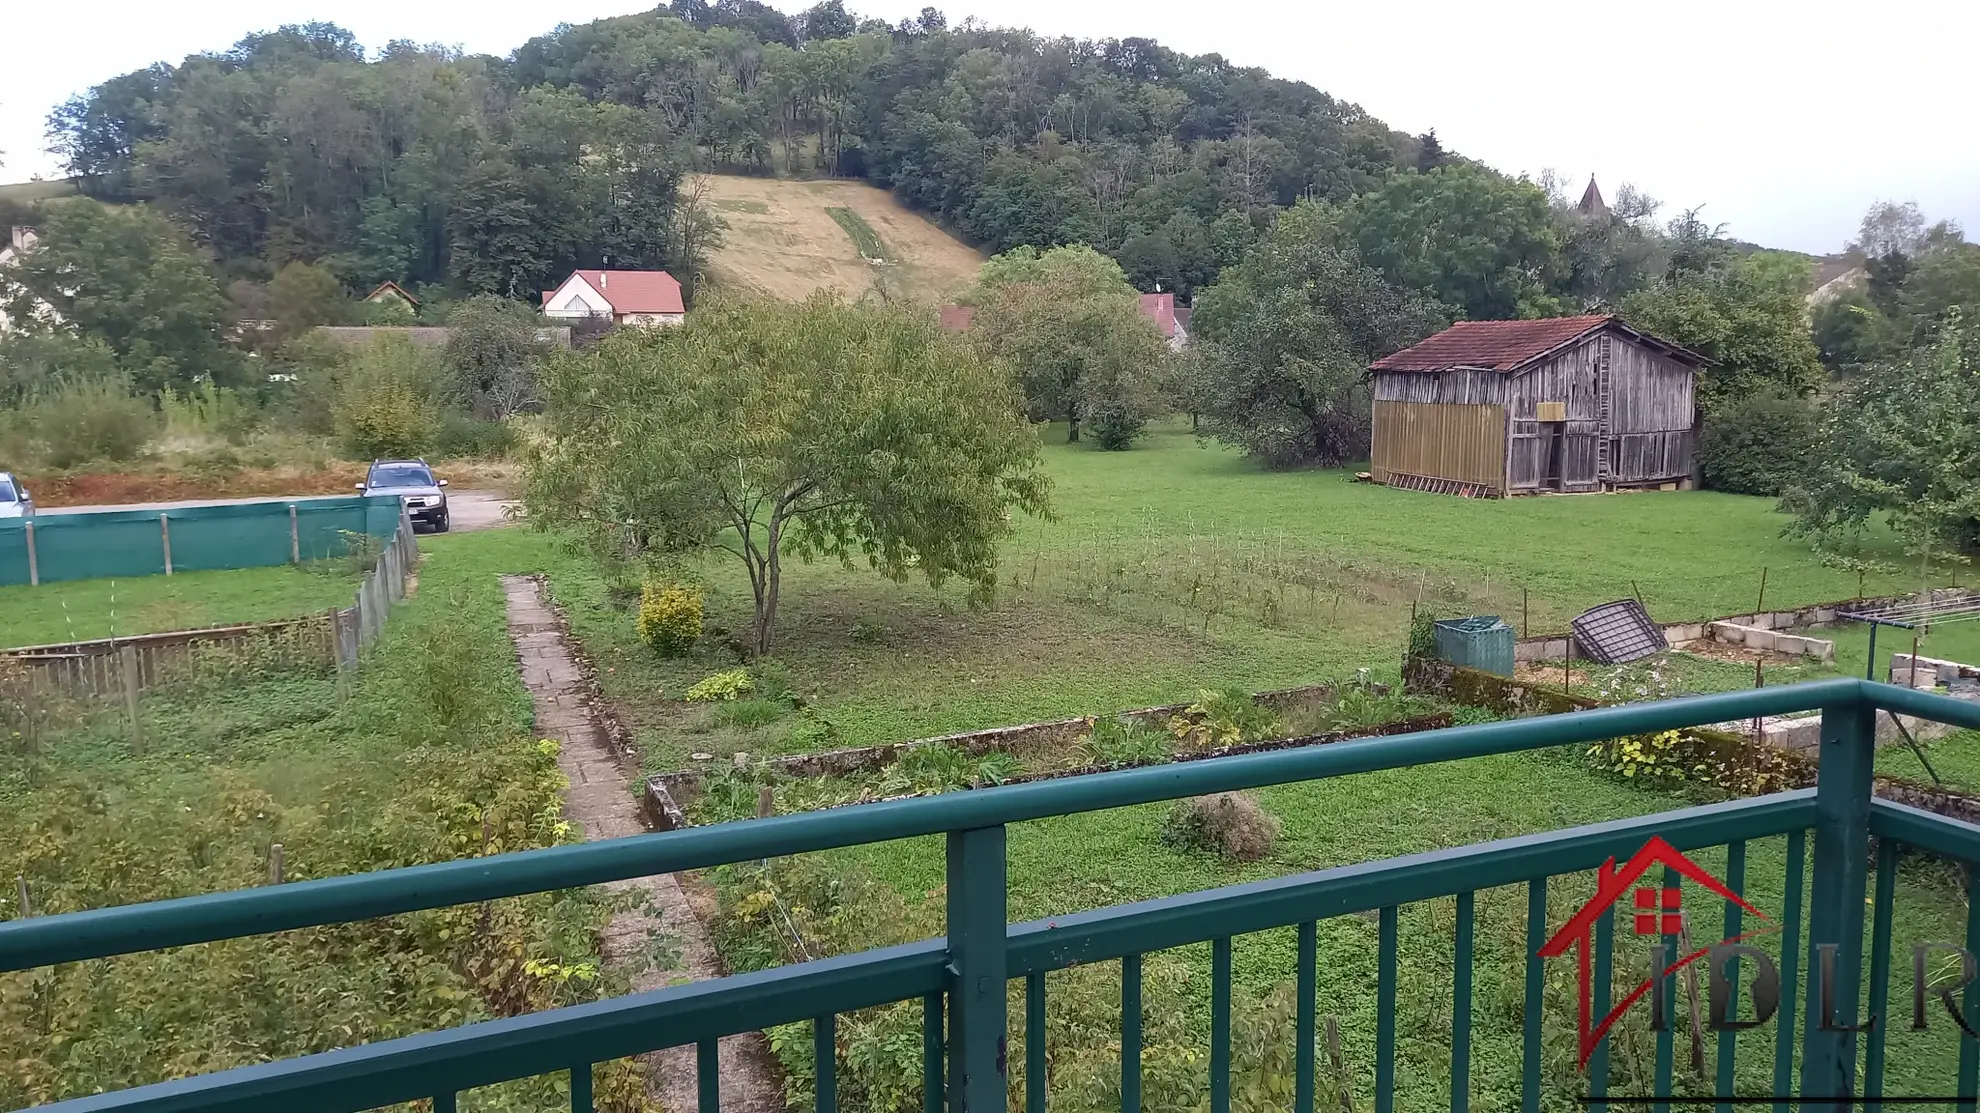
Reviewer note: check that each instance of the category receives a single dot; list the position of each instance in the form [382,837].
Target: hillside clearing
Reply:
[785,240]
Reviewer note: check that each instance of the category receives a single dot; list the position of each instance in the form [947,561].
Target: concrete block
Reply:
[1732,633]
[1684,632]
[1824,616]
[1760,639]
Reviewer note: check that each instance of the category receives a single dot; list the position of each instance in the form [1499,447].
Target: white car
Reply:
[15,502]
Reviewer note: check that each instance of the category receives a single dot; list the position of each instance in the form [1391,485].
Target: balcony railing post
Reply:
[978,971]
[1842,859]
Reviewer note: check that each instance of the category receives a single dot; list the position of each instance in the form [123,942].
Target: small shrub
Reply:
[749,714]
[1759,444]
[384,405]
[464,436]
[722,687]
[1117,742]
[1115,424]
[1422,636]
[996,767]
[390,422]
[670,618]
[1224,718]
[1230,825]
[78,421]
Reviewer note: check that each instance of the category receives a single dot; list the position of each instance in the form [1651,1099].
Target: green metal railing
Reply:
[962,979]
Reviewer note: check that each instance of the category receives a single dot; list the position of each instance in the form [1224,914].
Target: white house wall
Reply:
[576,299]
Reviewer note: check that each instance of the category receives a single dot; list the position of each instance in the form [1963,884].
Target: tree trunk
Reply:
[766,611]
[765,579]
[1072,427]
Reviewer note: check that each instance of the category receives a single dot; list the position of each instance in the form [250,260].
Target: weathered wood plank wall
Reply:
[1462,443]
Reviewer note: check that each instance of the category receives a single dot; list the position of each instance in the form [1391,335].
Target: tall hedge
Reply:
[1760,443]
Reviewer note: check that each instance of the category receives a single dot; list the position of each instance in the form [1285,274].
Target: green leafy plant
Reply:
[1229,824]
[1119,742]
[1224,717]
[1650,759]
[670,618]
[722,687]
[938,768]
[1360,705]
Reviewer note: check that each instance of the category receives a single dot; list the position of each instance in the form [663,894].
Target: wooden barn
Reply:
[1522,407]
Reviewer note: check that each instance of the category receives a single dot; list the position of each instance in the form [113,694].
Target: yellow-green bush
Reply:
[385,404]
[670,618]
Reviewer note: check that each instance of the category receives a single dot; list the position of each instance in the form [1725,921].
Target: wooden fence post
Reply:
[275,863]
[27,905]
[34,561]
[128,655]
[165,535]
[363,612]
[295,537]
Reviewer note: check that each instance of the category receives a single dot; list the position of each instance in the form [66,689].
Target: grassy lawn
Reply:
[83,610]
[427,755]
[1177,567]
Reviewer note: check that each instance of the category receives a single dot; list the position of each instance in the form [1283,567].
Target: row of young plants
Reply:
[426,754]
[1217,719]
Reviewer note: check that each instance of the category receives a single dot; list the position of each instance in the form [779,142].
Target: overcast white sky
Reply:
[1784,118]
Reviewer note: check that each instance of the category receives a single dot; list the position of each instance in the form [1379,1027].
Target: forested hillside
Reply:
[493,175]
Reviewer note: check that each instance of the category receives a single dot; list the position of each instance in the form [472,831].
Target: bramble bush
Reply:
[670,618]
[1228,824]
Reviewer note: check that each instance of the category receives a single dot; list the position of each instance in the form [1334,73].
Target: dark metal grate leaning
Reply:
[1618,633]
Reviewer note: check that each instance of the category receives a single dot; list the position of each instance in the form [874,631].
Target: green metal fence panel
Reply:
[91,545]
[13,552]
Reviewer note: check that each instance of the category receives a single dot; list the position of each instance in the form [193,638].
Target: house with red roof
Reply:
[623,297]
[1563,404]
[1171,322]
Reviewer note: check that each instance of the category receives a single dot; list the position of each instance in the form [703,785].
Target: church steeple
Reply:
[1591,200]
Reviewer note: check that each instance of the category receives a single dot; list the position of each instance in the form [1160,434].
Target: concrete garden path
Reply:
[657,941]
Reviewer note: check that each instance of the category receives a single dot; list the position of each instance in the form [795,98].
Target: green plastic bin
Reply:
[1482,642]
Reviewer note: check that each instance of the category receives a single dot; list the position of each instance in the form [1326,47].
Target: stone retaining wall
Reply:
[667,793]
